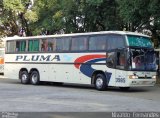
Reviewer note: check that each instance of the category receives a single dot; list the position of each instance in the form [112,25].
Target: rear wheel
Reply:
[24,77]
[100,82]
[35,79]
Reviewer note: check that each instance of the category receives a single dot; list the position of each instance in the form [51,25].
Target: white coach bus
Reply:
[108,58]
[2,61]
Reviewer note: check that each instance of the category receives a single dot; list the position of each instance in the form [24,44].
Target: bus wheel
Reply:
[24,77]
[34,78]
[124,88]
[100,82]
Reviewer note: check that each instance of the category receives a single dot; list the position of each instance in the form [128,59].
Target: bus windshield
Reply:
[139,41]
[142,60]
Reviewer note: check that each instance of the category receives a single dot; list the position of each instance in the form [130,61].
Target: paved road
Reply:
[15,97]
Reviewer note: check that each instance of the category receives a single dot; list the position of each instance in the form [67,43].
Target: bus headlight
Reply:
[154,77]
[133,77]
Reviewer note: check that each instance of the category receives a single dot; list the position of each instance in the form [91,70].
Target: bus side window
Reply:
[11,46]
[63,44]
[115,41]
[44,46]
[33,45]
[97,42]
[20,46]
[51,44]
[79,44]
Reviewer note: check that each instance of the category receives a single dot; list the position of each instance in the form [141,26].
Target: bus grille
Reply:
[144,77]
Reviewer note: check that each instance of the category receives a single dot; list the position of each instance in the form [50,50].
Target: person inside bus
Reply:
[44,45]
[120,60]
[137,61]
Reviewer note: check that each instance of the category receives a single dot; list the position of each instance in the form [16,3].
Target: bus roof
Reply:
[75,34]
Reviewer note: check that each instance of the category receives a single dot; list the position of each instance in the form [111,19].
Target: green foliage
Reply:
[94,2]
[31,16]
[79,16]
[134,12]
[13,5]
[139,16]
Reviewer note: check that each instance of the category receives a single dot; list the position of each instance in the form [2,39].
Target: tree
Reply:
[8,25]
[15,14]
[52,16]
[90,15]
[140,16]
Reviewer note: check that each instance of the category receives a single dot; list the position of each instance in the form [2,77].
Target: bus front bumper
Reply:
[142,82]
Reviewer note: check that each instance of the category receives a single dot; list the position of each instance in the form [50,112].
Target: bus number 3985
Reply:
[122,80]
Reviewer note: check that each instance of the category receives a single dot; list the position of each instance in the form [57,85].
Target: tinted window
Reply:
[79,43]
[115,41]
[97,43]
[62,44]
[11,46]
[139,41]
[20,46]
[44,45]
[51,44]
[33,45]
[48,45]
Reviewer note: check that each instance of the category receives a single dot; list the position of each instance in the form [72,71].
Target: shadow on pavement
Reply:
[82,86]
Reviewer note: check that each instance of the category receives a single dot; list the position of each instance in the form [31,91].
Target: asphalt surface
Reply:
[49,98]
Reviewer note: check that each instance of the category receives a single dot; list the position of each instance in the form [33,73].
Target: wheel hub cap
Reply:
[34,78]
[99,82]
[24,77]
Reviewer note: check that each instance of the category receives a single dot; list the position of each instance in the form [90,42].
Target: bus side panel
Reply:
[58,67]
[111,76]
[11,71]
[69,74]
[121,79]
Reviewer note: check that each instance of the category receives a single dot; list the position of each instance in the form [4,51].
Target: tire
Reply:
[124,88]
[100,82]
[34,78]
[24,77]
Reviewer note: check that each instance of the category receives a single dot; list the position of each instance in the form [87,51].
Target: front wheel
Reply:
[35,79]
[100,82]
